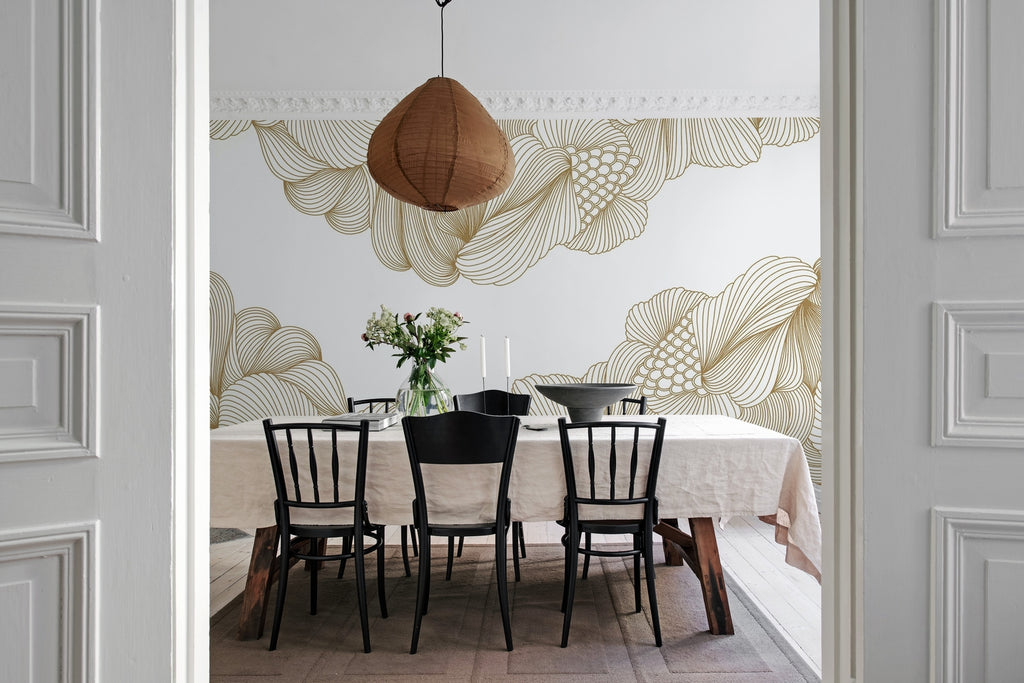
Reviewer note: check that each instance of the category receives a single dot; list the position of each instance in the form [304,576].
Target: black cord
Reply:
[442,4]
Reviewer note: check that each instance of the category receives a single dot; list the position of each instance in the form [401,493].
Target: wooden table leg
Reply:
[257,583]
[675,551]
[699,550]
[712,580]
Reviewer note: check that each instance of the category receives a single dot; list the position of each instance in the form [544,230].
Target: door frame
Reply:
[190,452]
[842,332]
[842,576]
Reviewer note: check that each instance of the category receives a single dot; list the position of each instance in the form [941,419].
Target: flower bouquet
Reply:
[424,344]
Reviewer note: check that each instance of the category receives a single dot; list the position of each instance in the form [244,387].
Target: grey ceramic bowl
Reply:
[586,401]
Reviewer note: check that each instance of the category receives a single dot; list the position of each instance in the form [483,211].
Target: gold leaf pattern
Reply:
[323,167]
[662,145]
[284,156]
[339,144]
[649,321]
[222,315]
[753,351]
[406,236]
[785,131]
[536,213]
[813,443]
[784,411]
[224,129]
[580,184]
[515,127]
[259,368]
[717,143]
[258,396]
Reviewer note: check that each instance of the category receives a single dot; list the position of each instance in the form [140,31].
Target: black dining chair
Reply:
[625,406]
[624,409]
[372,405]
[320,480]
[382,405]
[440,448]
[611,474]
[496,402]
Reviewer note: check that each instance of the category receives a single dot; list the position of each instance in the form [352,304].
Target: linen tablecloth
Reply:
[712,466]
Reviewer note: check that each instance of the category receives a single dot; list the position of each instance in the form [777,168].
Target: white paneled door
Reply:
[929,408]
[97,420]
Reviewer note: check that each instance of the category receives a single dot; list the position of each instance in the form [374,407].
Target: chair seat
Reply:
[462,530]
[610,526]
[332,530]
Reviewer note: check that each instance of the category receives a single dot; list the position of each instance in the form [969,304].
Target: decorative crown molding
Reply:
[524,104]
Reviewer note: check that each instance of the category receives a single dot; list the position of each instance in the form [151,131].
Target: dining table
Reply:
[713,467]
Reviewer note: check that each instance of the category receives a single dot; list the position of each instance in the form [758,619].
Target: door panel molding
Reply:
[978,562]
[48,387]
[978,374]
[979,145]
[47,580]
[47,160]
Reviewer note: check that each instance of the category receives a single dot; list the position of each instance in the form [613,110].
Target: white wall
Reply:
[600,45]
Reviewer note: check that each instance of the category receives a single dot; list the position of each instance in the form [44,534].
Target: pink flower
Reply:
[457,315]
[364,337]
[408,317]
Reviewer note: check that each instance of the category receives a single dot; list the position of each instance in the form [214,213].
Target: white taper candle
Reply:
[483,356]
[508,359]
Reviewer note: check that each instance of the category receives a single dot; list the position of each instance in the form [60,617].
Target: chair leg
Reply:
[637,547]
[405,547]
[381,593]
[586,558]
[360,563]
[314,571]
[451,552]
[415,544]
[569,593]
[346,547]
[282,589]
[461,540]
[566,540]
[522,539]
[515,551]
[651,594]
[426,597]
[422,591]
[500,561]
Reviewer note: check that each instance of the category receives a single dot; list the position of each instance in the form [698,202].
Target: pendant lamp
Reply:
[438,148]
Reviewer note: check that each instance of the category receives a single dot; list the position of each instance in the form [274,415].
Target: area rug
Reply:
[219,535]
[462,639]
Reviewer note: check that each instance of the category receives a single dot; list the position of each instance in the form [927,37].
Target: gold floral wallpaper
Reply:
[580,184]
[751,350]
[259,368]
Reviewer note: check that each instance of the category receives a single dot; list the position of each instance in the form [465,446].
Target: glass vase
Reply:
[423,393]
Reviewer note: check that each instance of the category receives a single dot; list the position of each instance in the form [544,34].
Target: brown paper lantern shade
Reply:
[439,149]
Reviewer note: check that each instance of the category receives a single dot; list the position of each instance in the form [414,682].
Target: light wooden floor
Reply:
[752,560]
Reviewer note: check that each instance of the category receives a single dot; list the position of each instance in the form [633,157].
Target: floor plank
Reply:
[785,595]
